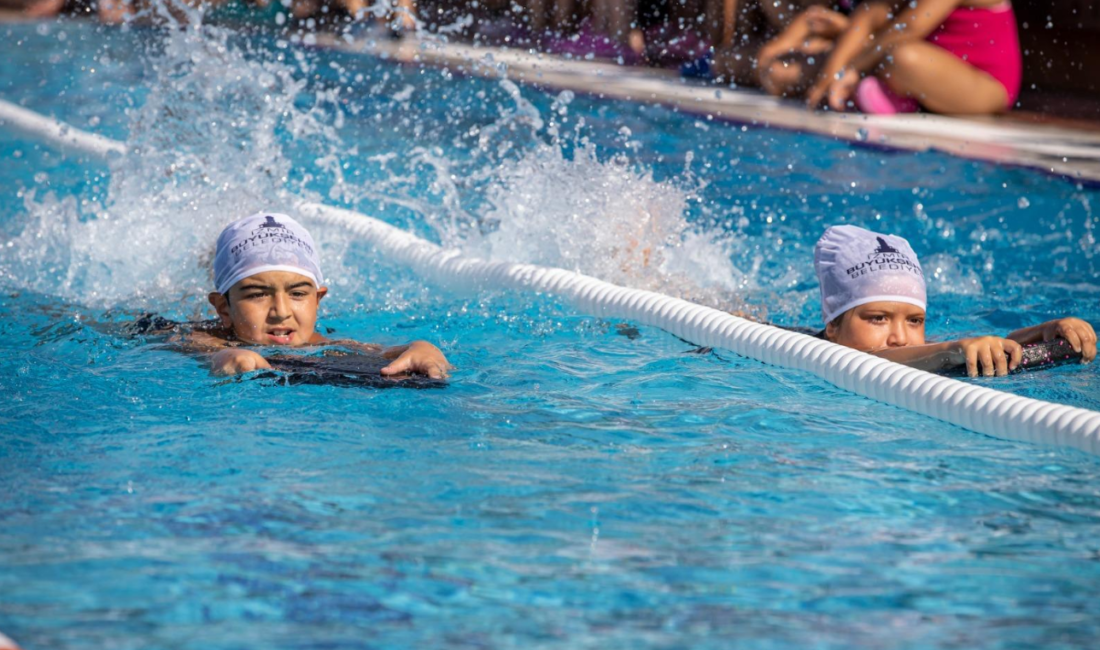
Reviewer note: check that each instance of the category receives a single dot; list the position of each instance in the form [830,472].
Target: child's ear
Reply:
[321,293]
[831,329]
[221,305]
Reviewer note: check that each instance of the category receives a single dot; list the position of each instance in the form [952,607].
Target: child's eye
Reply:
[252,296]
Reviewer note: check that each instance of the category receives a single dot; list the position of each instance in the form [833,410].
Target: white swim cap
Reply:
[267,241]
[856,266]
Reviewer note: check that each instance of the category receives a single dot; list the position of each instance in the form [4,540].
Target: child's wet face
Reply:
[271,308]
[878,326]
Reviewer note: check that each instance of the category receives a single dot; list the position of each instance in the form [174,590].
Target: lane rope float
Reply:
[977,408]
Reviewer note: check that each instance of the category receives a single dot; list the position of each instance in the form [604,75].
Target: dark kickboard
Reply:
[1037,356]
[357,370]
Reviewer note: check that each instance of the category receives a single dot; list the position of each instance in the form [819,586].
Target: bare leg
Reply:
[113,12]
[44,8]
[940,81]
[729,21]
[618,14]
[564,14]
[354,7]
[536,12]
[405,15]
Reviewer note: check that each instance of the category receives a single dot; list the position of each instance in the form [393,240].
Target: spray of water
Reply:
[210,143]
[205,148]
[567,206]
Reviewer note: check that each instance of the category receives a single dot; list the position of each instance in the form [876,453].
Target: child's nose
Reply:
[899,336]
[280,308]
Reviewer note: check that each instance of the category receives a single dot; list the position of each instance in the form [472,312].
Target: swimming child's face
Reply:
[878,326]
[271,308]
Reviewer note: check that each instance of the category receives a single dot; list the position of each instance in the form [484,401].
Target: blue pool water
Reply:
[579,483]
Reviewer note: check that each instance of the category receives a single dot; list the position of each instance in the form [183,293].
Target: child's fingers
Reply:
[972,361]
[407,365]
[1001,361]
[1073,337]
[400,365]
[1088,345]
[1015,353]
[986,355]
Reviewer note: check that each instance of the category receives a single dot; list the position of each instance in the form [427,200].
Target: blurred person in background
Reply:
[959,57]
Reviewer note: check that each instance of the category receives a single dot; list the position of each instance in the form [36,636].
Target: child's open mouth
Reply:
[280,336]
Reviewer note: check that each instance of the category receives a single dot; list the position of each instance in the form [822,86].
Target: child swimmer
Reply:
[873,299]
[268,286]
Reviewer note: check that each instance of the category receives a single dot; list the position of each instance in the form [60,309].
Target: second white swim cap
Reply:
[267,241]
[856,266]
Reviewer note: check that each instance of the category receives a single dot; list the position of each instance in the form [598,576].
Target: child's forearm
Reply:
[788,41]
[915,23]
[856,39]
[1027,335]
[931,357]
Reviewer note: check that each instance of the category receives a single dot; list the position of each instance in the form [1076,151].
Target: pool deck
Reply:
[1061,148]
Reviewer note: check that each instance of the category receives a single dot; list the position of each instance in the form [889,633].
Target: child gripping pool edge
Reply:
[873,299]
[268,287]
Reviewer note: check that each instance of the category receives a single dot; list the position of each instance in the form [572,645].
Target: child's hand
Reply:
[842,88]
[417,357]
[1076,332]
[235,361]
[816,94]
[990,354]
[833,89]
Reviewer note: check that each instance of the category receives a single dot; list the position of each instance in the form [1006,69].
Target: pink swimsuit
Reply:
[986,38]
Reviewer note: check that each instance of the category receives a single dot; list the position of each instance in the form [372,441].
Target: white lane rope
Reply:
[978,408]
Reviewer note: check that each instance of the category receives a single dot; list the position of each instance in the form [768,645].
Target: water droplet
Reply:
[1023,203]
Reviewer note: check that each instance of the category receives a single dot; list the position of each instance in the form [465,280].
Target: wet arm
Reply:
[985,355]
[931,357]
[868,20]
[1028,335]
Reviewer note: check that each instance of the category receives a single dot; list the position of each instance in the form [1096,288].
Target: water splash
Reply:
[206,147]
[559,203]
[223,119]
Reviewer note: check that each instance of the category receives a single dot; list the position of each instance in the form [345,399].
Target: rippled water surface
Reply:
[581,482]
